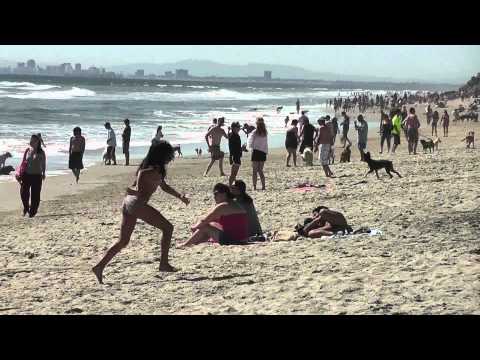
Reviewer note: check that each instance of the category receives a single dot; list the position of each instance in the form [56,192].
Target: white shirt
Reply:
[111,138]
[256,142]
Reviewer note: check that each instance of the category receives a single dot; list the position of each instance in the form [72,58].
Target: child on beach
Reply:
[235,149]
[150,175]
[77,148]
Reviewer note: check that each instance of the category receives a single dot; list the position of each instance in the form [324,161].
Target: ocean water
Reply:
[54,108]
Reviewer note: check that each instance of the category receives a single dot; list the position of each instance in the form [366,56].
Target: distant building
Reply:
[267,75]
[92,70]
[78,68]
[31,65]
[140,73]
[181,74]
[169,74]
[5,70]
[21,65]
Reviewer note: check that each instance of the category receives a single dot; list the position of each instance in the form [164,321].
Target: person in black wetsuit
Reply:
[291,143]
[235,150]
[307,135]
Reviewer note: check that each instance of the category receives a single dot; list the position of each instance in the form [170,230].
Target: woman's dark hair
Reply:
[243,190]
[39,146]
[261,129]
[159,128]
[77,130]
[159,155]
[294,122]
[223,189]
[412,110]
[360,117]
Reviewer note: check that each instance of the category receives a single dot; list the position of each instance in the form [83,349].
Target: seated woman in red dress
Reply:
[226,223]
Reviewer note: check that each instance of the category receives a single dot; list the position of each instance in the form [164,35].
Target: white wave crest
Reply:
[53,95]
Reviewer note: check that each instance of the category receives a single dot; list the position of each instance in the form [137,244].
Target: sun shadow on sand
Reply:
[214,278]
[58,215]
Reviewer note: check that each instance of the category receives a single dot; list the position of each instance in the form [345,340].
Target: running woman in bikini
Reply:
[150,175]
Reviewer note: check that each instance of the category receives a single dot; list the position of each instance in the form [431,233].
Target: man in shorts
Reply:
[111,144]
[126,141]
[345,127]
[362,128]
[214,139]
[324,142]
[396,129]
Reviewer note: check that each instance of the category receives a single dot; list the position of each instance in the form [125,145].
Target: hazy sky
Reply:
[393,61]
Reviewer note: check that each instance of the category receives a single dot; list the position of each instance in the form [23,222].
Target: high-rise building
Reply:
[21,65]
[78,67]
[31,64]
[140,73]
[181,74]
[169,74]
[267,75]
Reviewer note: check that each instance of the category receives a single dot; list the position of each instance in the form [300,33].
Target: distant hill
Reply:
[210,68]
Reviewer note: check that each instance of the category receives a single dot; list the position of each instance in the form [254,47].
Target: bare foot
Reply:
[98,273]
[167,268]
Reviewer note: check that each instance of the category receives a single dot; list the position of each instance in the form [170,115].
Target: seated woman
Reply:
[326,222]
[238,190]
[226,223]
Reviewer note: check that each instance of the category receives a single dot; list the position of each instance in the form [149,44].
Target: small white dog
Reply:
[307,156]
[4,158]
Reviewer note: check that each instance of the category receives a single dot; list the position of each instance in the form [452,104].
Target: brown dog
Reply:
[345,156]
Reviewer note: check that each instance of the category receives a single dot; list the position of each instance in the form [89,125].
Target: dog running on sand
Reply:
[428,145]
[376,165]
[346,153]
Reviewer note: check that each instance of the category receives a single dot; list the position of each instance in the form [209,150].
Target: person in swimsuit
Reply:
[445,123]
[150,175]
[326,222]
[239,191]
[235,149]
[226,223]
[77,148]
[385,131]
[435,118]
[291,143]
[213,139]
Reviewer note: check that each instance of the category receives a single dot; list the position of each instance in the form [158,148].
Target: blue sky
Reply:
[418,62]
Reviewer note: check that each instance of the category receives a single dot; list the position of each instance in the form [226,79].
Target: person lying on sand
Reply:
[226,223]
[325,222]
[150,175]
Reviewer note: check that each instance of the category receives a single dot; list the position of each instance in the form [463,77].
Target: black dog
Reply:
[6,170]
[427,145]
[345,156]
[376,165]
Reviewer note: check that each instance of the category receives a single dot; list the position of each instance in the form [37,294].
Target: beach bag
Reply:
[22,168]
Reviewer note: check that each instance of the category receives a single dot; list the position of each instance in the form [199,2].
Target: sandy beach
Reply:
[426,261]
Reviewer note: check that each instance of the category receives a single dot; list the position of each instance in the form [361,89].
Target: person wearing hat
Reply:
[235,149]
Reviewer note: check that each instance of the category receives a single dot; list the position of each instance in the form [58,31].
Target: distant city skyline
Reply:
[423,63]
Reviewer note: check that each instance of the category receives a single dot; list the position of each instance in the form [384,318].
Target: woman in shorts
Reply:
[258,142]
[291,143]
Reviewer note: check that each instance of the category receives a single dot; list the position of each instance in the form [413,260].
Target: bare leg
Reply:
[233,174]
[220,165]
[295,158]
[289,155]
[317,233]
[127,158]
[202,235]
[209,167]
[260,172]
[126,229]
[254,174]
[114,158]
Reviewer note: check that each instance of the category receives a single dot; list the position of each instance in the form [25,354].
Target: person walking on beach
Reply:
[235,150]
[396,129]
[324,142]
[307,135]
[33,176]
[127,132]
[428,112]
[287,119]
[111,144]
[76,150]
[336,129]
[298,106]
[385,131]
[435,119]
[345,127]
[150,175]
[214,139]
[412,124]
[258,142]
[291,143]
[362,128]
[445,122]
[301,121]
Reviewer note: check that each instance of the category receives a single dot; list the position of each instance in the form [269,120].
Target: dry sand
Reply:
[427,261]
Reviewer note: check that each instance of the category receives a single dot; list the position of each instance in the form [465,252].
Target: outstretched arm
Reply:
[213,215]
[169,190]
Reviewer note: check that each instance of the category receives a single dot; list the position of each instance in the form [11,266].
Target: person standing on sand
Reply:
[158,135]
[150,175]
[258,142]
[214,139]
[324,142]
[298,106]
[362,128]
[291,142]
[76,150]
[111,144]
[301,121]
[127,132]
[307,134]
[445,122]
[396,129]
[412,124]
[345,127]
[32,178]
[435,118]
[235,150]
[287,119]
[385,131]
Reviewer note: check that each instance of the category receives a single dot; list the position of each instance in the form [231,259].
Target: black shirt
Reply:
[308,132]
[126,133]
[234,144]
